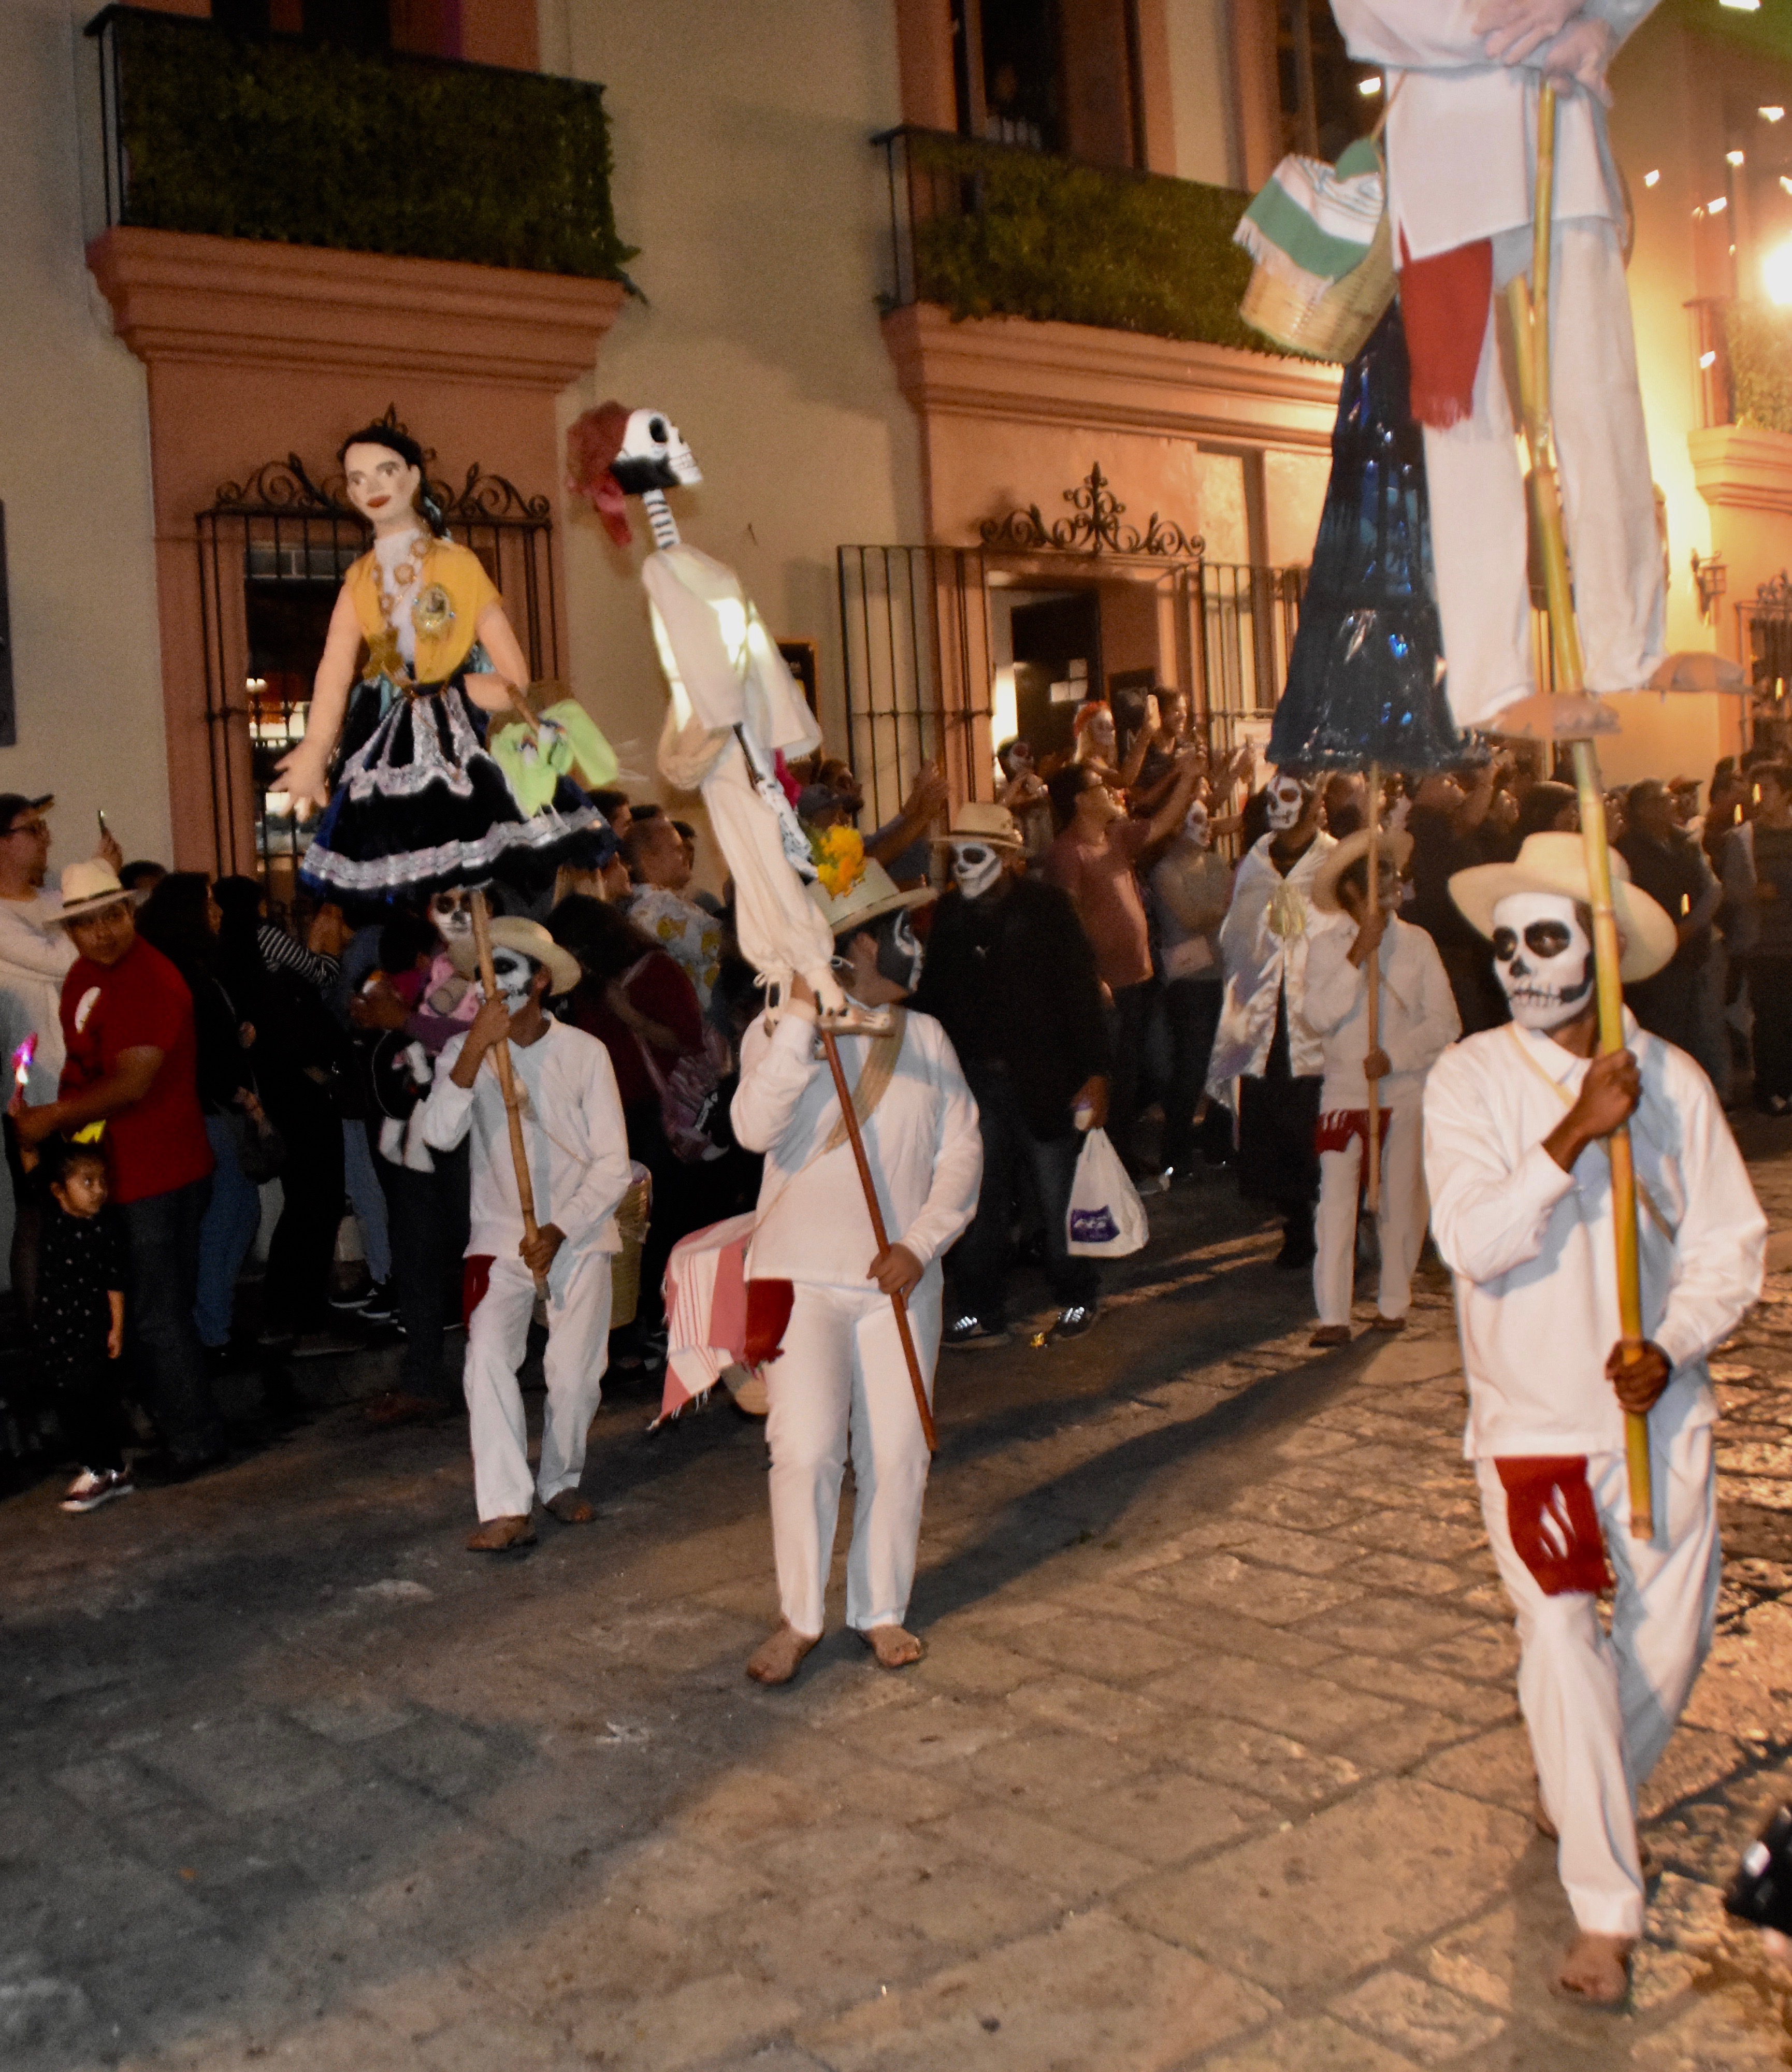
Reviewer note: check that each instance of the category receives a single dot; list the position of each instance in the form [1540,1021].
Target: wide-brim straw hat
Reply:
[511,931]
[872,895]
[994,824]
[90,888]
[1555,862]
[1395,843]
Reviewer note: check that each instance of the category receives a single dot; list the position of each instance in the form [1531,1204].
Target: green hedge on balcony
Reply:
[1759,339]
[1054,239]
[303,144]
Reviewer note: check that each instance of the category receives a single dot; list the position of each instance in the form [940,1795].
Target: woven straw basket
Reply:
[625,1268]
[1336,326]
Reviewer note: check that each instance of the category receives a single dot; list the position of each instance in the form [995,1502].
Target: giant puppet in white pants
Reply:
[1463,77]
[1516,1120]
[841,1383]
[735,706]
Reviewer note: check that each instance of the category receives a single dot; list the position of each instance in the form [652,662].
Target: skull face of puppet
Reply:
[1287,801]
[653,455]
[1543,956]
[451,915]
[514,973]
[899,954]
[976,867]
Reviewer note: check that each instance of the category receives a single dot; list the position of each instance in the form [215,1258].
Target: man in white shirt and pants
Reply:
[841,1381]
[1521,1197]
[578,1148]
[1416,1022]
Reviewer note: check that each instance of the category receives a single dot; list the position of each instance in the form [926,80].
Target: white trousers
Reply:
[1401,1222]
[578,1349]
[842,1385]
[1600,1707]
[1479,525]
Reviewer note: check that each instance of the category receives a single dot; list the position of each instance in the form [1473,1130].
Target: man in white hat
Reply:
[577,1148]
[842,1382]
[1521,1206]
[1417,1021]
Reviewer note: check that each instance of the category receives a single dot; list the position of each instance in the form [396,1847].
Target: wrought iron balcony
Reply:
[996,229]
[278,139]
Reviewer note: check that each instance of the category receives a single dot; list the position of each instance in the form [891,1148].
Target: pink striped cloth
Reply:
[705,1292]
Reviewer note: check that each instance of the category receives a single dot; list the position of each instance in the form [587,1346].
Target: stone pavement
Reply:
[1212,1762]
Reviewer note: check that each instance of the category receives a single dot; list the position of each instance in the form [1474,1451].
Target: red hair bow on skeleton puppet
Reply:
[593,441]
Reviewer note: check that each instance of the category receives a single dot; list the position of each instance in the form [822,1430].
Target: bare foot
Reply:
[775,1659]
[497,1534]
[1379,1322]
[1596,1969]
[1331,1335]
[1541,1821]
[570,1508]
[894,1646]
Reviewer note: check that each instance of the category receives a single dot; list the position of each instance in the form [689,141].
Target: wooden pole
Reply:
[1372,1192]
[896,1302]
[507,1080]
[1531,314]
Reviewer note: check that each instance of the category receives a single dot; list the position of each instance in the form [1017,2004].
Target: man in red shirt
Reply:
[1094,860]
[127,1021]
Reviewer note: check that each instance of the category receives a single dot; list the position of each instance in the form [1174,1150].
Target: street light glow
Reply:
[1368,88]
[1733,157]
[1652,179]
[1776,274]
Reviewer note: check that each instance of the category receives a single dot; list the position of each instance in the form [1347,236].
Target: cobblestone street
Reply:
[1214,1760]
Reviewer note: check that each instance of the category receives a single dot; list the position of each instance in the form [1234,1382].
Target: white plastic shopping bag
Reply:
[1107,1218]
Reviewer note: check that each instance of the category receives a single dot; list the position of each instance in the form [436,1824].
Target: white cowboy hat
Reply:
[872,895]
[994,824]
[1551,862]
[90,888]
[1396,845]
[511,931]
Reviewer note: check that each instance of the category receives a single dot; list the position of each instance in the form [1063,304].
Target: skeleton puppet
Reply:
[735,705]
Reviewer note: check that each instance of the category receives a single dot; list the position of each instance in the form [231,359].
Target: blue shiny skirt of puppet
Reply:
[1366,677]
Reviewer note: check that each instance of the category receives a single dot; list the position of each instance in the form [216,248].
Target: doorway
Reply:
[1056,649]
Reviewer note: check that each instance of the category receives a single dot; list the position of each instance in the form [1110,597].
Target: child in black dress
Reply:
[81,1319]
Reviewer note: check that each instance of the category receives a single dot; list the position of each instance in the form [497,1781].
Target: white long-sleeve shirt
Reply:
[573,1132]
[1462,129]
[1531,1246]
[1417,1019]
[1265,941]
[921,1142]
[35,954]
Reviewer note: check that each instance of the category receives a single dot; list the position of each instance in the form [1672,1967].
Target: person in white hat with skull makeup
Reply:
[1417,1021]
[840,1381]
[577,1148]
[1521,1207]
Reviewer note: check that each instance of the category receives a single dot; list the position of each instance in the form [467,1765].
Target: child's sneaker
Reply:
[89,1490]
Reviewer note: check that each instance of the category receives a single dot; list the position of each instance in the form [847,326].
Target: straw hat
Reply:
[872,895]
[89,888]
[511,931]
[1395,844]
[1552,863]
[994,824]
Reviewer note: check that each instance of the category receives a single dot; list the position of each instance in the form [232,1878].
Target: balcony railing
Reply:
[294,142]
[995,229]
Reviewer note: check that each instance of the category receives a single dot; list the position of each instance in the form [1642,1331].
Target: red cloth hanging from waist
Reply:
[768,1308]
[475,1278]
[1337,1129]
[1554,1524]
[1444,305]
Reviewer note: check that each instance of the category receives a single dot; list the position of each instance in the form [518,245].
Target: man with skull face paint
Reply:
[1265,1046]
[576,1145]
[840,1381]
[1520,1193]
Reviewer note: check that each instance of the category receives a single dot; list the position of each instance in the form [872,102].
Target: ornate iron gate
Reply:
[272,552]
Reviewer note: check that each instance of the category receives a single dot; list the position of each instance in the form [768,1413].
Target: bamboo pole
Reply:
[1531,314]
[507,1080]
[1372,1191]
[896,1302]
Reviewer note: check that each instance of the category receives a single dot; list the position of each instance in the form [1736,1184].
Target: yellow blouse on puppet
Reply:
[419,613]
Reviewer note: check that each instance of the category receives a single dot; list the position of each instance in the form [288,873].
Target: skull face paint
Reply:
[1543,956]
[976,867]
[1287,801]
[1195,825]
[451,915]
[899,953]
[514,973]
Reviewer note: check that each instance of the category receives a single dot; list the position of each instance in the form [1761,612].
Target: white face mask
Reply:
[976,867]
[451,916]
[514,973]
[1287,802]
[1195,825]
[1543,956]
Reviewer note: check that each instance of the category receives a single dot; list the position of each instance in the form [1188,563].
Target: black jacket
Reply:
[1013,980]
